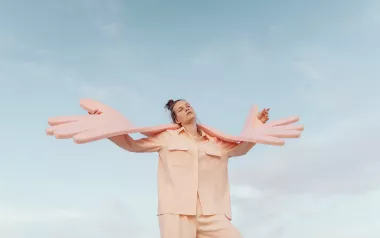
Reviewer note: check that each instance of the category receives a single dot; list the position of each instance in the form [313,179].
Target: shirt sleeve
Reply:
[148,144]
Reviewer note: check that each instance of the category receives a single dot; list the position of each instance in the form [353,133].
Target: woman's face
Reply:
[184,112]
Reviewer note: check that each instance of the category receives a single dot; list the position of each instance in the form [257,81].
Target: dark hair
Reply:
[170,106]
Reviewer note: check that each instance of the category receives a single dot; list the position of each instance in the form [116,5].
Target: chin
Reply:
[191,118]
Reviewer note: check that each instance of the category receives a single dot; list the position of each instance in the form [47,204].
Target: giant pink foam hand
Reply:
[87,128]
[272,131]
[254,130]
[109,123]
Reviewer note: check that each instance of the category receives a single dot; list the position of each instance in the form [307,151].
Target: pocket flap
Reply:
[213,152]
[178,147]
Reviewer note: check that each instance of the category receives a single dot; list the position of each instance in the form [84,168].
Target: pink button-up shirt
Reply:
[189,167]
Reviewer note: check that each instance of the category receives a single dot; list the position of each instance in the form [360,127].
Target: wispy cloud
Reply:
[310,215]
[15,217]
[111,219]
[330,161]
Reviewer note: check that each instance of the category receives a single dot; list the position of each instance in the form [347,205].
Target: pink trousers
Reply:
[199,226]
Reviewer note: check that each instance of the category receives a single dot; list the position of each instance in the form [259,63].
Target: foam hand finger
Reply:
[69,130]
[296,127]
[95,134]
[285,121]
[252,121]
[65,119]
[280,133]
[267,140]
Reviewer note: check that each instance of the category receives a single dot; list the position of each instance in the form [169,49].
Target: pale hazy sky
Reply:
[316,59]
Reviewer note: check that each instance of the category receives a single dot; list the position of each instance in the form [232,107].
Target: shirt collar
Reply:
[203,134]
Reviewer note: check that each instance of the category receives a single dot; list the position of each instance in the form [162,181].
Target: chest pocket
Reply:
[214,152]
[179,155]
[213,160]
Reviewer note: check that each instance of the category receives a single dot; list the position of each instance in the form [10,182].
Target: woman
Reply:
[193,188]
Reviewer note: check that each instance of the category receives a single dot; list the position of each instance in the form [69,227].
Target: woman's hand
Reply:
[97,112]
[263,115]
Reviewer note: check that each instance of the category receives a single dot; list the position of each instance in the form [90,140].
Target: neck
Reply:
[192,128]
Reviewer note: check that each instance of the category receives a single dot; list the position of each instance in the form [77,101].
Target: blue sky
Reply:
[319,60]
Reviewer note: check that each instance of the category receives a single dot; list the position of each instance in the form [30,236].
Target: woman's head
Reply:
[181,111]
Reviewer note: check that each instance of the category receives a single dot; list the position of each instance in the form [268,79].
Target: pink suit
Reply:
[193,187]
[188,166]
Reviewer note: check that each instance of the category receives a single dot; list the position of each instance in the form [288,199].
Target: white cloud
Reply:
[340,158]
[340,214]
[324,184]
[111,219]
[11,216]
[242,191]
[264,215]
[309,215]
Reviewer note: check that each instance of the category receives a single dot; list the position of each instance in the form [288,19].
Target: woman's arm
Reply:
[242,148]
[148,144]
[237,149]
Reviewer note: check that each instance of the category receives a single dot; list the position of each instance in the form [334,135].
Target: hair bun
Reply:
[169,105]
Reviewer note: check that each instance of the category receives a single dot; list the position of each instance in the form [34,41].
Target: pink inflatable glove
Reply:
[87,128]
[255,131]
[271,132]
[109,123]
